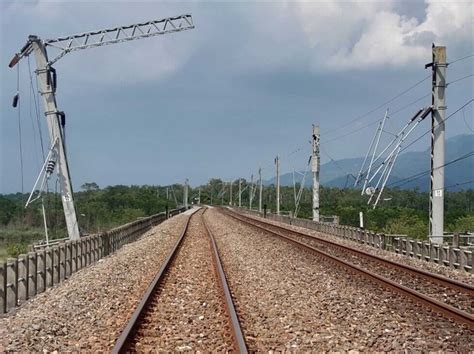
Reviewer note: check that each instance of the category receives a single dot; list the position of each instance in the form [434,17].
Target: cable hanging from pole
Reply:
[17,104]
[429,131]
[35,92]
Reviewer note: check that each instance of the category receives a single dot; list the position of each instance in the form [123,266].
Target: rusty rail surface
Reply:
[238,336]
[123,342]
[454,256]
[432,277]
[433,304]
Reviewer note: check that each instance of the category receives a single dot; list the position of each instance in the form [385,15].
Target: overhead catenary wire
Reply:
[459,184]
[465,121]
[426,172]
[382,105]
[366,125]
[398,110]
[428,131]
[459,79]
[336,163]
[461,59]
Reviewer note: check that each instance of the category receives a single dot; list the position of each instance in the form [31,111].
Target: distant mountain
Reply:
[340,173]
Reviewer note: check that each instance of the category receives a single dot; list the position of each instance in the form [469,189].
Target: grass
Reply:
[14,241]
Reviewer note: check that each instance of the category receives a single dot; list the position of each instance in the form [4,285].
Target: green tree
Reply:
[463,224]
[88,187]
[8,209]
[408,224]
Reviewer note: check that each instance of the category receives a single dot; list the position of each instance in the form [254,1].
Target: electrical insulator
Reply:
[50,166]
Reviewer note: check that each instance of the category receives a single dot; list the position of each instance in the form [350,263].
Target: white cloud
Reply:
[248,37]
[345,35]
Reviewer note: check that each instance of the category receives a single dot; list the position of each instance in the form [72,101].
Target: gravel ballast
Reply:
[460,299]
[288,299]
[452,273]
[188,311]
[88,311]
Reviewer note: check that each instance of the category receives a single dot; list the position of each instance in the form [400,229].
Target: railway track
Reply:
[448,297]
[188,305]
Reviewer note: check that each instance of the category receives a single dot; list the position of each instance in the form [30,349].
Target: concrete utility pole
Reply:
[315,171]
[185,193]
[167,194]
[240,192]
[260,191]
[222,193]
[230,192]
[277,163]
[438,114]
[199,196]
[251,192]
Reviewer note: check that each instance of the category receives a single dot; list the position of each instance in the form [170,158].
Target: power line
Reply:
[336,163]
[422,174]
[460,59]
[428,131]
[460,79]
[465,122]
[409,104]
[350,133]
[378,120]
[459,184]
[369,124]
[381,105]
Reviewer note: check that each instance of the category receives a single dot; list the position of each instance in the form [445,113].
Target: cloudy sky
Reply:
[223,99]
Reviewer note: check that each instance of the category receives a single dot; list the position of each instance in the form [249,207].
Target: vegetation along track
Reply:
[449,297]
[187,306]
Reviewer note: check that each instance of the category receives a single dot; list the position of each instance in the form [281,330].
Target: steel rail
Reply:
[238,336]
[124,339]
[433,304]
[432,277]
